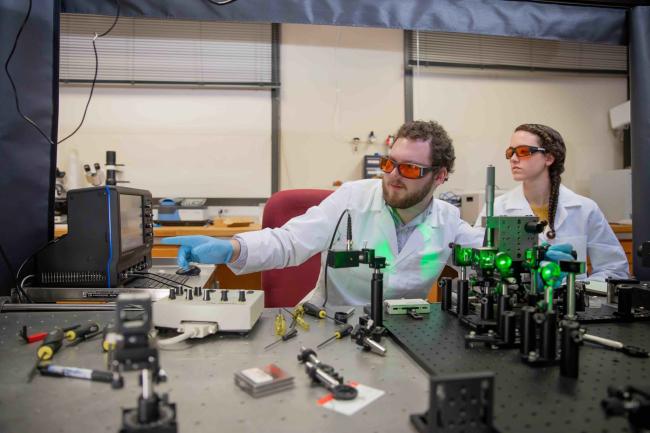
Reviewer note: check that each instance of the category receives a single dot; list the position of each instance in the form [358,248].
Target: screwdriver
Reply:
[82,333]
[50,345]
[297,319]
[292,333]
[280,324]
[344,331]
[313,310]
[48,348]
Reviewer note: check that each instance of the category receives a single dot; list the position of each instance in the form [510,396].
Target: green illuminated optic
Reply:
[551,274]
[462,255]
[484,258]
[503,263]
[530,256]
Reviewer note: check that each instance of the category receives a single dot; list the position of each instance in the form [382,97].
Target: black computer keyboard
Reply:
[157,281]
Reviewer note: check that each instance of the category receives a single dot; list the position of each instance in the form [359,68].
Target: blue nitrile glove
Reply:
[559,252]
[200,249]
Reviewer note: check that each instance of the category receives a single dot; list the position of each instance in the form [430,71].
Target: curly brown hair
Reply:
[552,141]
[442,150]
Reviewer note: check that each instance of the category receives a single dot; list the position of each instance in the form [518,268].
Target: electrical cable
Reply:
[8,264]
[151,278]
[22,296]
[92,87]
[142,274]
[174,340]
[22,284]
[338,223]
[22,265]
[191,330]
[11,81]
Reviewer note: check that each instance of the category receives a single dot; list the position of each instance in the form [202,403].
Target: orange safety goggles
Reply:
[405,169]
[523,151]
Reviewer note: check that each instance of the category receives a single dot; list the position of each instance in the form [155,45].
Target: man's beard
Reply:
[409,200]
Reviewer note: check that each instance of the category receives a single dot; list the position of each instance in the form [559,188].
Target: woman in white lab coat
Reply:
[536,155]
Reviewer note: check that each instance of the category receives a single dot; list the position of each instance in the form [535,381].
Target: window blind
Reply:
[450,49]
[140,50]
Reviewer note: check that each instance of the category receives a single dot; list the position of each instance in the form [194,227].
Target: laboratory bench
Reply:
[201,379]
[201,382]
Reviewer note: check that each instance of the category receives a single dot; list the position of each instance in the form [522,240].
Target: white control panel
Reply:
[231,310]
[403,306]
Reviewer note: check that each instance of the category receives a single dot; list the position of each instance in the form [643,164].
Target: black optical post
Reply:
[351,259]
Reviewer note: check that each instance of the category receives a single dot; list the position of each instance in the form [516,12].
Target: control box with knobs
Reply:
[231,310]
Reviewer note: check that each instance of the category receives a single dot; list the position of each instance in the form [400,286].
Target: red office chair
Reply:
[286,287]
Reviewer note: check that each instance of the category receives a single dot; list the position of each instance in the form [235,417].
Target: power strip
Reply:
[231,310]
[403,306]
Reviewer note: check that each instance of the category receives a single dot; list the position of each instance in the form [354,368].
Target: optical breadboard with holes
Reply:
[231,310]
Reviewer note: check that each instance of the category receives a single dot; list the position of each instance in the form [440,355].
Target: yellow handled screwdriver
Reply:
[82,333]
[48,348]
[314,311]
[292,333]
[280,324]
[344,331]
[297,318]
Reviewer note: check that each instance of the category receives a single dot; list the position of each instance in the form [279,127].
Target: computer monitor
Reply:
[110,235]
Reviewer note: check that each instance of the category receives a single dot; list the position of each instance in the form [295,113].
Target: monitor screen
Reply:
[131,233]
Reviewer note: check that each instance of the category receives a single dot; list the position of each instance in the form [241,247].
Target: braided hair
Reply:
[552,141]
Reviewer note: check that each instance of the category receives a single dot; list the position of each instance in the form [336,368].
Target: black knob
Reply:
[242,296]
[179,290]
[535,226]
[206,295]
[188,294]
[224,296]
[172,294]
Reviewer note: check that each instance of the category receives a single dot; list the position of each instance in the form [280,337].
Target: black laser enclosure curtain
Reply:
[487,17]
[27,160]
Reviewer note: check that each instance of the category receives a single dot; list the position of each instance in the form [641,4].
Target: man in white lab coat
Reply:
[396,216]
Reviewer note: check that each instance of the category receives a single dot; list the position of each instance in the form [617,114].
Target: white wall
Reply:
[481,108]
[175,142]
[337,83]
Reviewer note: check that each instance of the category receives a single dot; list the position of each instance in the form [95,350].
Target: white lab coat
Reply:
[579,222]
[409,274]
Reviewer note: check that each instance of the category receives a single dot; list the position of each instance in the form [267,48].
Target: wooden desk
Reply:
[219,228]
[624,234]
